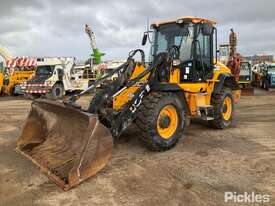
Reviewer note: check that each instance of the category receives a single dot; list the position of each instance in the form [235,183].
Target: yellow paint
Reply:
[227,108]
[126,95]
[169,112]
[1,82]
[139,68]
[17,78]
[197,94]
[244,82]
[174,76]
[184,18]
[236,96]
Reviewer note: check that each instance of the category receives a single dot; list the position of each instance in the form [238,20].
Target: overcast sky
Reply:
[56,27]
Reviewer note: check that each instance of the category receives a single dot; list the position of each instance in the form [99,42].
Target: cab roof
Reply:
[186,19]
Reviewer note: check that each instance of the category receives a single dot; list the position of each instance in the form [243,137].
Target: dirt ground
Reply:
[204,164]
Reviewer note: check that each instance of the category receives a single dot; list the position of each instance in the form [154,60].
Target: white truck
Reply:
[55,76]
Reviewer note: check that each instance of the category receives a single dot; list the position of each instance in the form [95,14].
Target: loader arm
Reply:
[118,120]
[70,144]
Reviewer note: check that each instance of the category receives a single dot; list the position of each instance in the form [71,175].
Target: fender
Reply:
[164,87]
[228,80]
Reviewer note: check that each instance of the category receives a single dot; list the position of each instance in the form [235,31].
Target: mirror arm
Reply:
[216,46]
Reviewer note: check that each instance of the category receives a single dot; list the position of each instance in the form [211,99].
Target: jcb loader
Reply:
[182,81]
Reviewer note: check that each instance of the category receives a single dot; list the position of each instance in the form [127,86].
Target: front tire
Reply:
[161,119]
[57,92]
[223,107]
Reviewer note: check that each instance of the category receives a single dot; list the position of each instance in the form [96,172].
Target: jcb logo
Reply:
[138,101]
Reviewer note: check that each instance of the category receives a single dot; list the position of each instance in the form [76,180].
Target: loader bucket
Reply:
[67,144]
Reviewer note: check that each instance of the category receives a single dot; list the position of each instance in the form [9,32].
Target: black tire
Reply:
[266,86]
[217,101]
[57,92]
[147,120]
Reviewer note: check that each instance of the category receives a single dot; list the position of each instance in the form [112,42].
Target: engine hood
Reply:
[38,79]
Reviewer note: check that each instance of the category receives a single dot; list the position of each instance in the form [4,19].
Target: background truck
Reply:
[55,76]
[269,77]
[245,73]
[245,79]
[14,72]
[264,75]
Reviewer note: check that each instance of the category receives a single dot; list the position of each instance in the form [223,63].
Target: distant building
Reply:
[259,58]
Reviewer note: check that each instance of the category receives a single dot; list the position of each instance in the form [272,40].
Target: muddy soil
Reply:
[204,165]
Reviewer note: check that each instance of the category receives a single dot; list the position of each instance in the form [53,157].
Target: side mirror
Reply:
[144,39]
[207,29]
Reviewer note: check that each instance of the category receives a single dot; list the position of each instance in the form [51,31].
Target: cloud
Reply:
[48,28]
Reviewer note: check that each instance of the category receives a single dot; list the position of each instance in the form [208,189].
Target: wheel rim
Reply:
[167,122]
[227,108]
[57,92]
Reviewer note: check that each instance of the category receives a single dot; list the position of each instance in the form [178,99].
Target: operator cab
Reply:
[245,71]
[45,70]
[270,69]
[193,38]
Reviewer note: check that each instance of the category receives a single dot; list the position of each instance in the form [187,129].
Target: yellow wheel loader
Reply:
[182,81]
[1,82]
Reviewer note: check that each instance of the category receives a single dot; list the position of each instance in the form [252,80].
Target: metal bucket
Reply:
[67,144]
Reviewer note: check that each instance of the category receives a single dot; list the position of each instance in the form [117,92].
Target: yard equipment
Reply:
[17,71]
[6,56]
[1,82]
[96,55]
[245,79]
[182,81]
[264,76]
[98,67]
[54,76]
[241,70]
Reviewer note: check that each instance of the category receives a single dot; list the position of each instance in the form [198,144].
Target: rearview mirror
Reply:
[207,29]
[144,39]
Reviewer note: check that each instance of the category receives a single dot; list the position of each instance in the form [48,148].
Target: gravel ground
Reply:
[204,165]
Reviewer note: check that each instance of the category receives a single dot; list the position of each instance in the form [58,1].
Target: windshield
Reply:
[271,70]
[224,51]
[244,66]
[168,35]
[44,70]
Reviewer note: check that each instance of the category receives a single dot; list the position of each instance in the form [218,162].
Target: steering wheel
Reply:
[174,52]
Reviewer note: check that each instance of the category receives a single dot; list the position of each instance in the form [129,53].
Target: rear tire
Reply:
[265,83]
[223,106]
[57,92]
[161,119]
